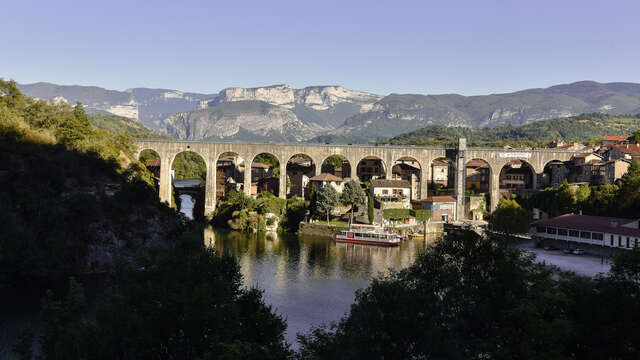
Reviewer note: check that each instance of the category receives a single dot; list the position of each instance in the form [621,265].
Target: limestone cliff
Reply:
[250,119]
[325,110]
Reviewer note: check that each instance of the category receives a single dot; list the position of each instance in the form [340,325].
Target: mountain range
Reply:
[282,113]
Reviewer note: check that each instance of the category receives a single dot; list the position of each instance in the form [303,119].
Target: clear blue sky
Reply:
[430,47]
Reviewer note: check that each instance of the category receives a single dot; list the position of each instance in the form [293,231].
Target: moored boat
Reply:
[368,235]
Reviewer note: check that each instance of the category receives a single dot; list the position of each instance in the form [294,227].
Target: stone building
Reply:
[477,176]
[391,193]
[443,208]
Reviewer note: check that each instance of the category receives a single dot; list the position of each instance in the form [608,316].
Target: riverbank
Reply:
[322,229]
[319,229]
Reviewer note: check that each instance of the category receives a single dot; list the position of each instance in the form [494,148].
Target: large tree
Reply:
[464,298]
[189,303]
[509,218]
[326,199]
[352,196]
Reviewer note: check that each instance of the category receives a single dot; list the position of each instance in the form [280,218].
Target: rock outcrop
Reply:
[302,114]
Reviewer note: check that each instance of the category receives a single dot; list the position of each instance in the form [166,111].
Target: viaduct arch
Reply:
[210,151]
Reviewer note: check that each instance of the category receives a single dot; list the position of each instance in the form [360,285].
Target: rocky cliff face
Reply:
[240,120]
[301,114]
[396,114]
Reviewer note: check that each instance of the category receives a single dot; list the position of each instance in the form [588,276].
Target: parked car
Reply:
[549,248]
[578,252]
[567,251]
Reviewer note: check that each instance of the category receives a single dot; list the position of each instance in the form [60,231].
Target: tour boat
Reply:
[368,235]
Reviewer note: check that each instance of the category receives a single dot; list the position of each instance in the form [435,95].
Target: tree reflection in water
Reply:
[309,279]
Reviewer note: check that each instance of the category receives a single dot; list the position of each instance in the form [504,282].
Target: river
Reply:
[308,279]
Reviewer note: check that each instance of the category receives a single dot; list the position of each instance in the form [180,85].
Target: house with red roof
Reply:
[614,139]
[596,234]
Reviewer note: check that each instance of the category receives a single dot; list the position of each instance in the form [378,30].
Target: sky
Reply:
[426,47]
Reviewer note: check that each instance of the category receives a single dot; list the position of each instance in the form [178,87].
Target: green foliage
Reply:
[626,266]
[470,298]
[295,214]
[502,309]
[53,205]
[269,203]
[621,199]
[271,160]
[147,155]
[370,209]
[186,302]
[584,127]
[396,214]
[335,161]
[122,125]
[189,166]
[352,196]
[235,201]
[422,215]
[326,199]
[509,218]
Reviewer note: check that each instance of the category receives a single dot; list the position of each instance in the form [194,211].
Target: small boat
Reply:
[368,235]
[416,236]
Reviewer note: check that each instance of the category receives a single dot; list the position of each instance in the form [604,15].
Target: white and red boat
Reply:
[368,235]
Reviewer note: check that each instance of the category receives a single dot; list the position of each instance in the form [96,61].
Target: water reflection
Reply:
[186,205]
[309,279]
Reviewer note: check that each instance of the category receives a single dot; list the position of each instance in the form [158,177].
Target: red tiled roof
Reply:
[226,158]
[585,155]
[326,177]
[591,223]
[632,149]
[443,198]
[477,163]
[615,138]
[259,165]
[298,160]
[390,183]
[154,162]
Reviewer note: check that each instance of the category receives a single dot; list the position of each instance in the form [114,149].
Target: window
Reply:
[597,236]
[574,233]
[619,241]
[611,240]
[585,235]
[627,242]
[635,243]
[551,230]
[562,232]
[541,229]
[385,192]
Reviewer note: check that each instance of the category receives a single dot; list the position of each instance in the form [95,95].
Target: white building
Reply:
[594,232]
[388,192]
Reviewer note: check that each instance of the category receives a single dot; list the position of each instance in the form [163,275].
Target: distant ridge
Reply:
[282,113]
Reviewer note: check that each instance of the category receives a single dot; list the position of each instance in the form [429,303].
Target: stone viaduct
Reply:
[496,158]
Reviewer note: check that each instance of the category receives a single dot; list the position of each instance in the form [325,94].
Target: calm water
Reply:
[309,280]
[186,205]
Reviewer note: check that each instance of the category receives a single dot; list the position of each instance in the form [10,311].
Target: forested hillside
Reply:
[74,204]
[71,197]
[118,124]
[583,128]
